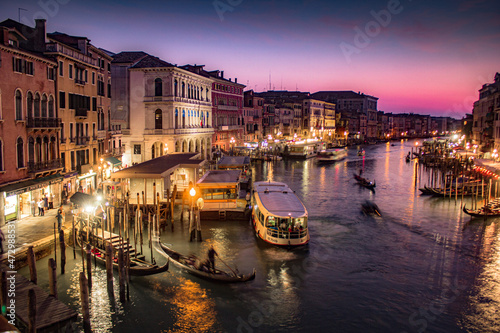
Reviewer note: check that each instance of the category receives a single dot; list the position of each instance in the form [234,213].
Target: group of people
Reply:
[45,203]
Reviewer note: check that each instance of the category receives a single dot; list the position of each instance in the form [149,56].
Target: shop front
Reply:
[19,200]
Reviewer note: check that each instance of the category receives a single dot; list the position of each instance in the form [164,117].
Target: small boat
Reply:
[365,182]
[138,266]
[370,208]
[361,152]
[190,264]
[485,211]
[331,155]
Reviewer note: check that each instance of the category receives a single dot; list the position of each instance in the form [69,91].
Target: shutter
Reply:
[14,64]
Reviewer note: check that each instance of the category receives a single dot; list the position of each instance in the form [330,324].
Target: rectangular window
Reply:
[86,73]
[94,104]
[72,160]
[62,132]
[29,69]
[109,89]
[17,65]
[137,149]
[70,70]
[62,99]
[61,68]
[93,77]
[71,132]
[51,73]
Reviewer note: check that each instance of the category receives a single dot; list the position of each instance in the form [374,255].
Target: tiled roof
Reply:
[66,39]
[128,56]
[152,62]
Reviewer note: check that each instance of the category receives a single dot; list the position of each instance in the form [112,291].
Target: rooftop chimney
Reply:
[4,36]
[222,74]
[40,35]
[235,80]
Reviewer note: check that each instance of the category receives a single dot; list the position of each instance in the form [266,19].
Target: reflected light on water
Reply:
[195,310]
[102,307]
[483,315]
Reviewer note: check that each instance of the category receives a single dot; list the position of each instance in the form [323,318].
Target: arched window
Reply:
[45,149]
[20,153]
[158,87]
[19,106]
[37,106]
[175,88]
[38,150]
[51,107]
[31,150]
[158,119]
[183,119]
[176,118]
[206,96]
[53,149]
[29,103]
[183,89]
[197,93]
[44,106]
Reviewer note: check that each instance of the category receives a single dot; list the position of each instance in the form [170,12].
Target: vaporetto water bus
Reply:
[279,217]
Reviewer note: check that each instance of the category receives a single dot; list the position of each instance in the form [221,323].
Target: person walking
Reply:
[211,258]
[60,218]
[40,207]
[33,207]
[45,203]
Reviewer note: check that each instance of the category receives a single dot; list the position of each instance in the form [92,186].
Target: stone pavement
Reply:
[34,229]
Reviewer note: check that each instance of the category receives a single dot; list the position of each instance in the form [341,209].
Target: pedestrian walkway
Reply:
[33,229]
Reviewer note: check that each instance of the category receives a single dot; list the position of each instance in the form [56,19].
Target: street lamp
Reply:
[231,145]
[192,193]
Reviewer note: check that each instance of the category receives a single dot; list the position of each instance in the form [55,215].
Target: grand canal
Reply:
[421,267]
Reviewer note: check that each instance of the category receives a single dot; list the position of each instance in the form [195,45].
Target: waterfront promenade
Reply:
[36,231]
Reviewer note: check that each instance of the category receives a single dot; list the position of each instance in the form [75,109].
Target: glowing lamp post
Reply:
[231,144]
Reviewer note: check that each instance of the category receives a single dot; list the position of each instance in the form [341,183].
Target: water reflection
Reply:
[195,309]
[103,308]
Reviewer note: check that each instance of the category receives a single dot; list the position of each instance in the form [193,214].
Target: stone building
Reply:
[160,107]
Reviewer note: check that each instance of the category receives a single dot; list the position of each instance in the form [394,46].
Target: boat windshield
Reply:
[286,223]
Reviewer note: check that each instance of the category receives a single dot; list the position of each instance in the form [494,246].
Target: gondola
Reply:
[482,212]
[138,267]
[365,182]
[188,264]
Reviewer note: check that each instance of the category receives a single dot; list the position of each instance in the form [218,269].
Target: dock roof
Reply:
[279,199]
[219,178]
[234,161]
[161,166]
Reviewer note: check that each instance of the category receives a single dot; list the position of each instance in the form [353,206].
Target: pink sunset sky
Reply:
[415,56]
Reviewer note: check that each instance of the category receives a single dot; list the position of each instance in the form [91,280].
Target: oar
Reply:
[227,266]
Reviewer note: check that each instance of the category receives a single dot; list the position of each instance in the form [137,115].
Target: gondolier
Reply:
[211,258]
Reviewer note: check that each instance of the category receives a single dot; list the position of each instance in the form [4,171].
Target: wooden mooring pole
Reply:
[109,267]
[84,300]
[32,264]
[121,274]
[89,265]
[63,250]
[53,277]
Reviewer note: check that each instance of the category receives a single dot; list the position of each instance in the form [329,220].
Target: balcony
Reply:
[36,167]
[118,151]
[43,123]
[227,108]
[62,140]
[194,130]
[59,48]
[81,113]
[82,82]
[158,131]
[82,141]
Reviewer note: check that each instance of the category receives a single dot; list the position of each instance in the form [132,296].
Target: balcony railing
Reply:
[82,82]
[194,130]
[81,112]
[62,140]
[43,123]
[118,151]
[56,47]
[83,140]
[44,166]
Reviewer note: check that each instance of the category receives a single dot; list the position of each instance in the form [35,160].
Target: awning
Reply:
[113,160]
[30,184]
[82,199]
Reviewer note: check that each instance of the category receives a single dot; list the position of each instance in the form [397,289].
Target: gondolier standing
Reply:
[211,258]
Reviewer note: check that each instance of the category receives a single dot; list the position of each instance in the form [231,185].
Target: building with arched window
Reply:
[172,107]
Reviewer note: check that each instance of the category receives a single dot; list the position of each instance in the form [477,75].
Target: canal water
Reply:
[423,266]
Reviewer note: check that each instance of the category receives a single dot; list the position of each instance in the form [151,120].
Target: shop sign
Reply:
[10,205]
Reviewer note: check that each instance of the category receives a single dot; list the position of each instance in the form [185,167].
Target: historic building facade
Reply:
[160,107]
[29,122]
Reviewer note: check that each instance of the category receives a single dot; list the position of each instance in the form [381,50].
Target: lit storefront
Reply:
[20,199]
